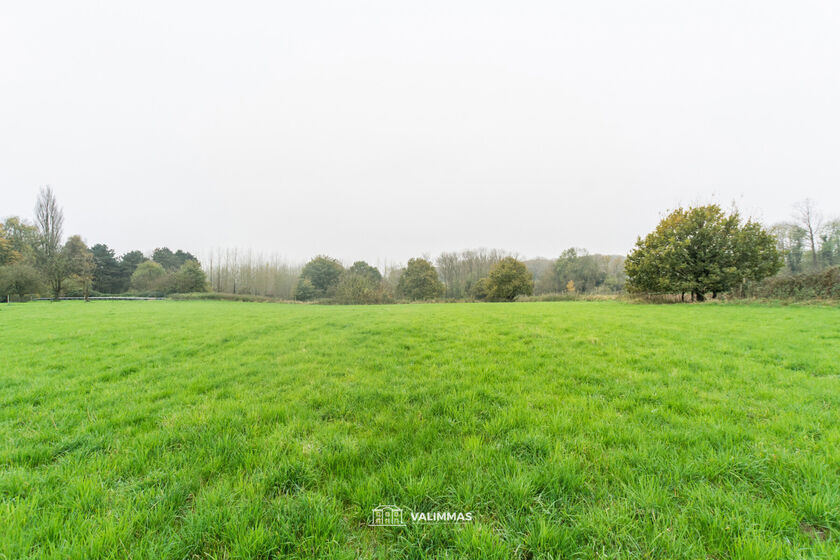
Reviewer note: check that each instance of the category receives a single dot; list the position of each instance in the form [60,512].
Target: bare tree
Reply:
[460,271]
[809,218]
[246,272]
[50,221]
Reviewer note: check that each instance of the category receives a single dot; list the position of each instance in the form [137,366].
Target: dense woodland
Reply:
[693,253]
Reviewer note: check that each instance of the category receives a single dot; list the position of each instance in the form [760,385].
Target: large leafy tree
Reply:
[128,264]
[106,274]
[171,261]
[701,250]
[19,279]
[80,263]
[148,276]
[756,256]
[323,273]
[24,240]
[165,258]
[183,257]
[420,281]
[507,279]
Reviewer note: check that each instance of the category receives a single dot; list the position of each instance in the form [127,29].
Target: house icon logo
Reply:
[387,516]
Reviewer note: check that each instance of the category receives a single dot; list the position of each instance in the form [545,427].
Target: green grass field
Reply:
[570,430]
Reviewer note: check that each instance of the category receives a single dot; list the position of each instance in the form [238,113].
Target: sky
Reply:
[385,130]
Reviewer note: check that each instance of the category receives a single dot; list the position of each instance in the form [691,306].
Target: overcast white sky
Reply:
[389,129]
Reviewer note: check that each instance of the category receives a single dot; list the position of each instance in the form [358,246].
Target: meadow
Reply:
[201,429]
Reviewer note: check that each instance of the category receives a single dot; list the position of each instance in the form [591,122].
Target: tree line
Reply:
[246,272]
[693,252]
[35,258]
[325,278]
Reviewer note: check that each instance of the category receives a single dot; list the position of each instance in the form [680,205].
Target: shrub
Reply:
[364,269]
[190,278]
[218,296]
[359,288]
[304,290]
[824,284]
